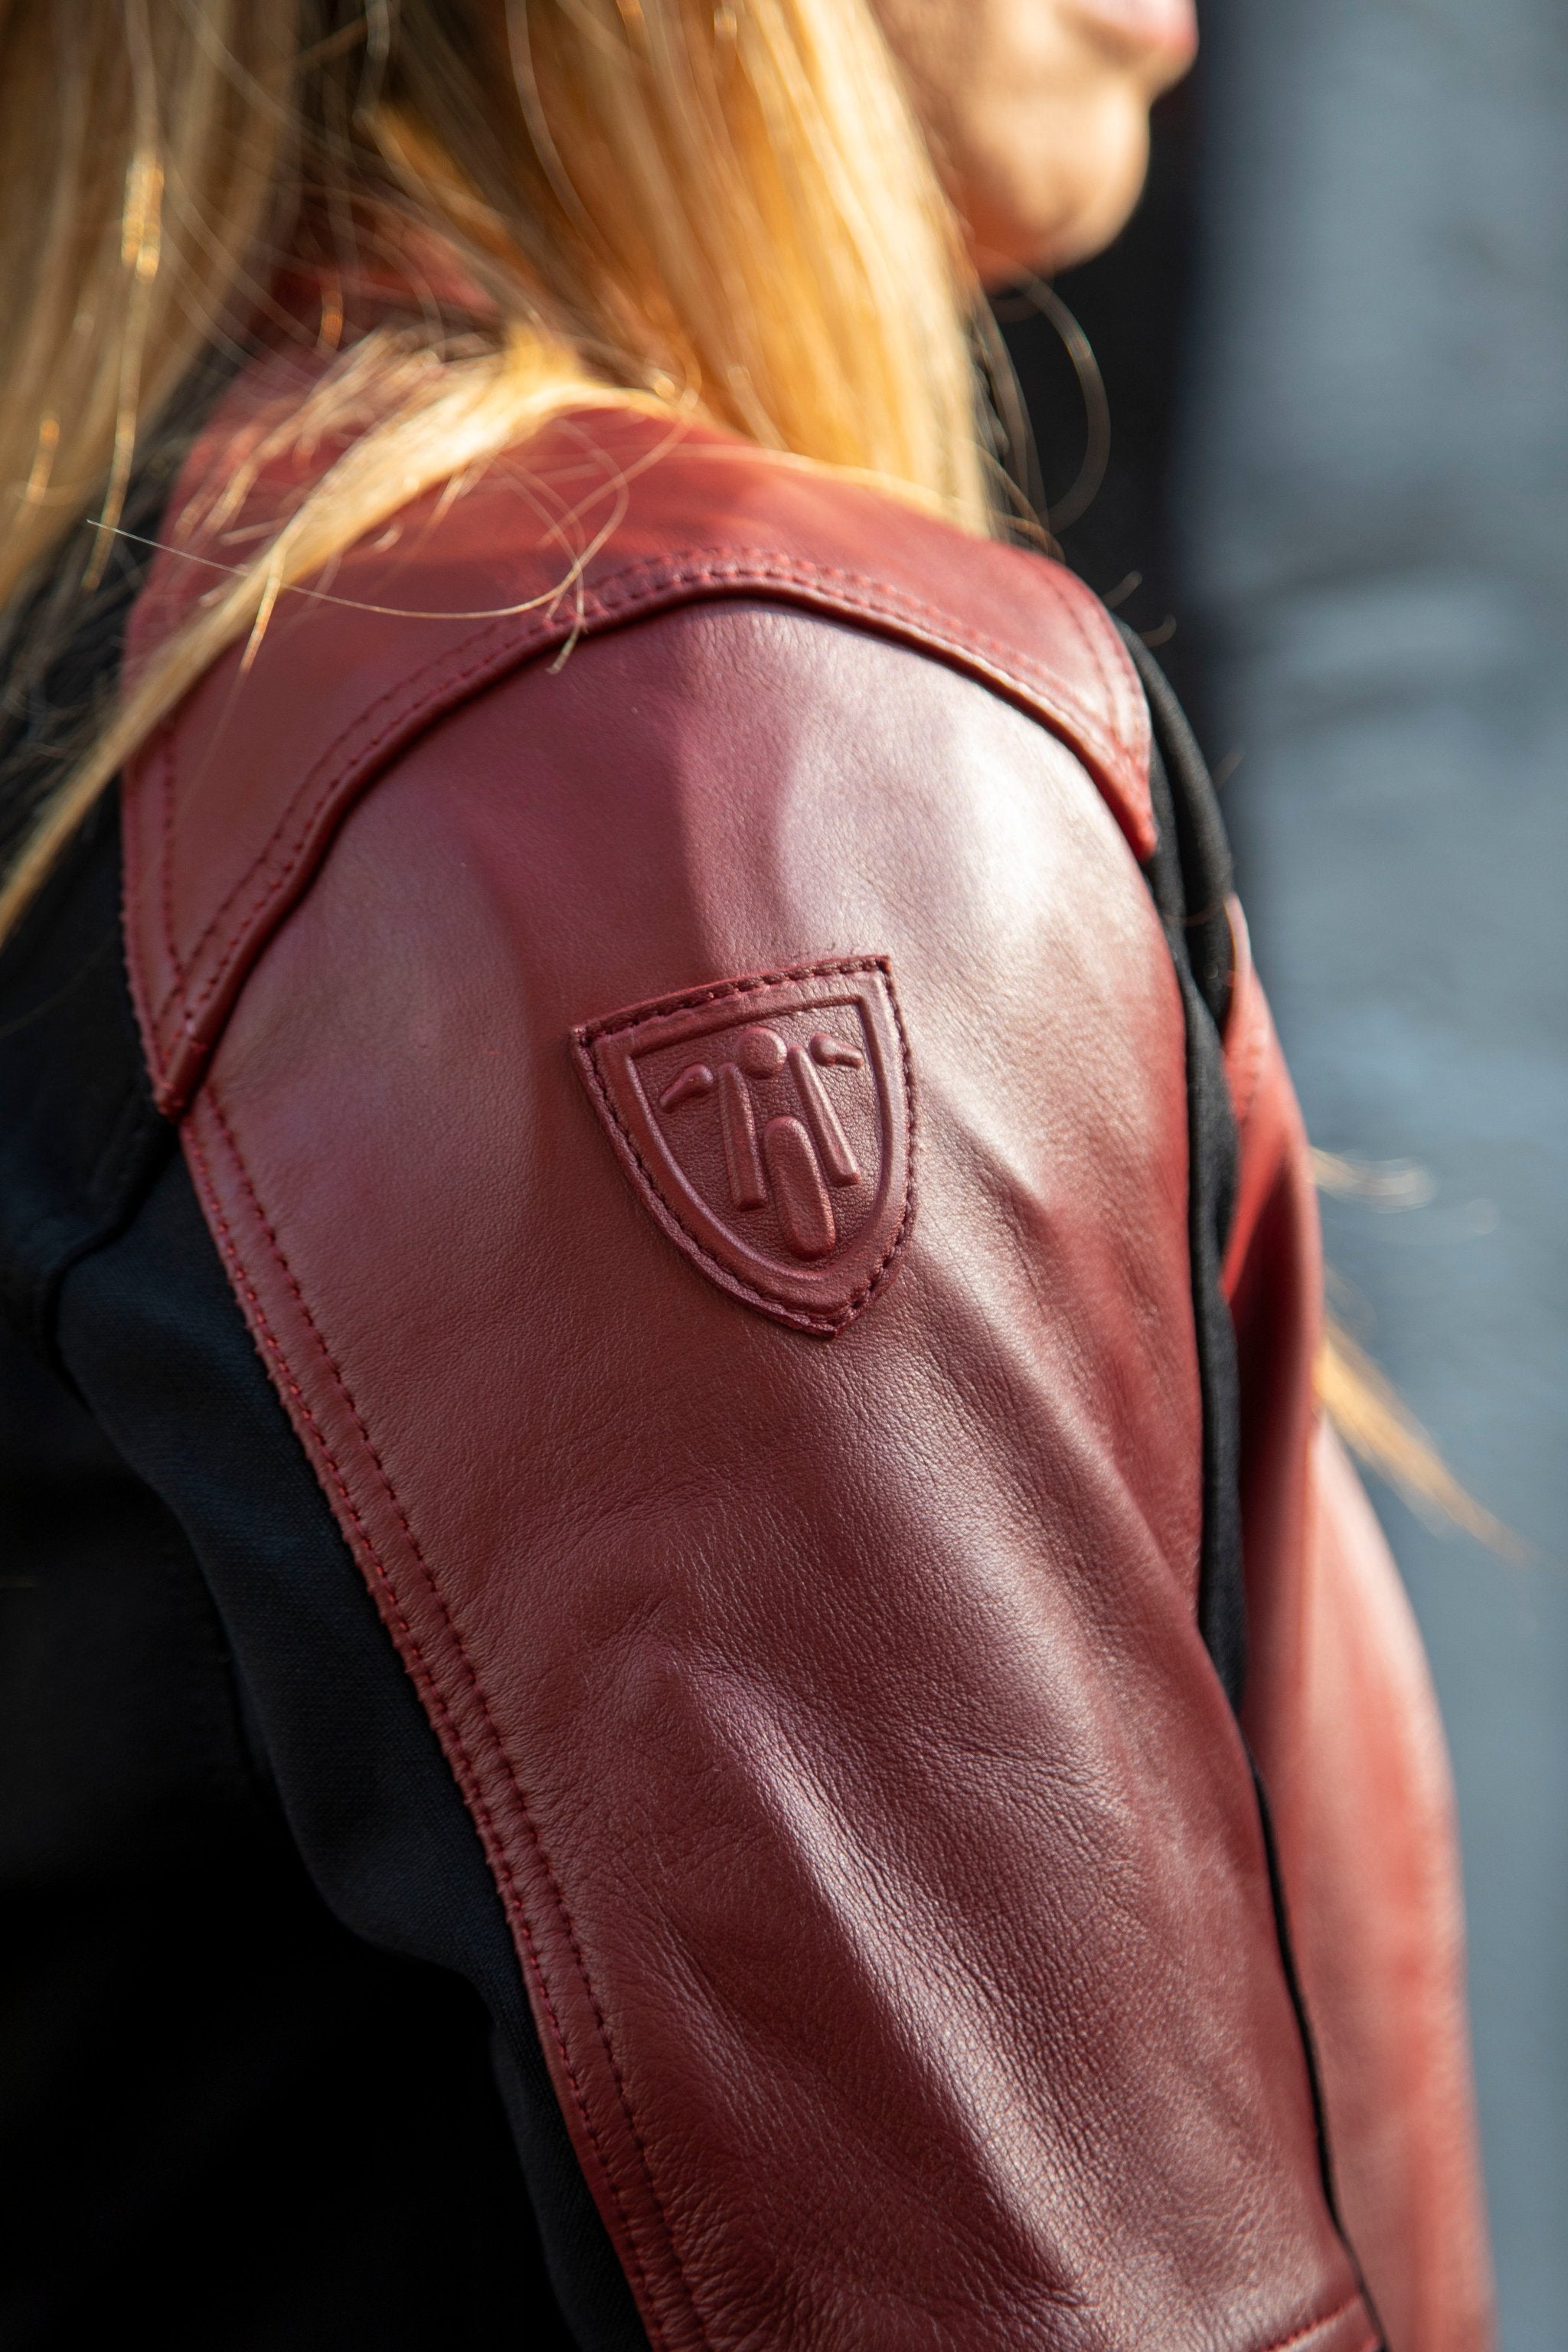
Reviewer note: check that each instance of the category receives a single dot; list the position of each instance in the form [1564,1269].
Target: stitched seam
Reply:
[513,1894]
[134,880]
[406,688]
[864,592]
[719,995]
[1316,2326]
[689,999]
[1067,604]
[859,590]
[605,604]
[514,1899]
[165,757]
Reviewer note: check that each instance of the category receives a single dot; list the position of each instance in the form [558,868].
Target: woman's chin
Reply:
[1048,220]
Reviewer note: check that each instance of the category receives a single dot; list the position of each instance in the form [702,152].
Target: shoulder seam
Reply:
[747,568]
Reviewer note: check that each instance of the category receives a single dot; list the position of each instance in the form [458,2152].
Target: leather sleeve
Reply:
[880,1849]
[1342,1718]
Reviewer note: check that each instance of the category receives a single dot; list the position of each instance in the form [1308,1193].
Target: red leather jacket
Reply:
[689,1084]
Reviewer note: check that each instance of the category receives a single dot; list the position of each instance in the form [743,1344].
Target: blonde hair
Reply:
[721,208]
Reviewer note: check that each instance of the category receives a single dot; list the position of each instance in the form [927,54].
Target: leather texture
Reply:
[881,1850]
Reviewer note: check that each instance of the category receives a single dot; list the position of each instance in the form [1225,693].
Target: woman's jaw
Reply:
[1037,113]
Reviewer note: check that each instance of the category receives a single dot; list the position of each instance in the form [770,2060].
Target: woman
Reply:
[629,1465]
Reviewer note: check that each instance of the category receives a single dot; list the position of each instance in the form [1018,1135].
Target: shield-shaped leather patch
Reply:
[767,1124]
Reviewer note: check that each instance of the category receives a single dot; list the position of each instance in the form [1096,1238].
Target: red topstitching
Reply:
[427,1681]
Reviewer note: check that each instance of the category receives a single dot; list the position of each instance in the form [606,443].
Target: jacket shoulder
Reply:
[602,521]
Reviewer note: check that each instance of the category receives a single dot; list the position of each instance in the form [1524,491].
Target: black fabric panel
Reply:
[259,1997]
[264,2030]
[1202,850]
[79,1139]
[157,1345]
[1222,1593]
[122,1752]
[1190,867]
[222,2116]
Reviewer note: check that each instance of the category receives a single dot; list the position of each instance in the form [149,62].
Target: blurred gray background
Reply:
[1336,349]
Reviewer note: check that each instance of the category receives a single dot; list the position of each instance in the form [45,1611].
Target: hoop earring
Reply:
[1036,296]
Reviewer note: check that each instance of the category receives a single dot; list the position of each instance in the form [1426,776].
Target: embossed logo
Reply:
[767,1124]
